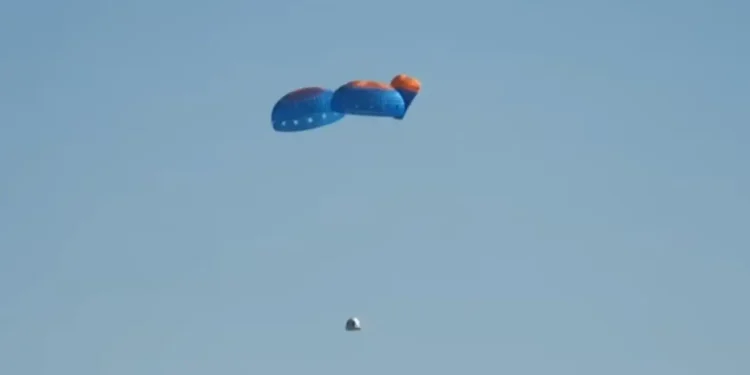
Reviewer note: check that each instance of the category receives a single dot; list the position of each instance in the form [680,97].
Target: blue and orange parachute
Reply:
[371,98]
[313,107]
[304,109]
[368,98]
[408,87]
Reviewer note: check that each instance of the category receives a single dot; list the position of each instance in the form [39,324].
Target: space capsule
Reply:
[353,324]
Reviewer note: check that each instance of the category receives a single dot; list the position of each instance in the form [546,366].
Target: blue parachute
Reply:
[370,98]
[304,109]
[408,87]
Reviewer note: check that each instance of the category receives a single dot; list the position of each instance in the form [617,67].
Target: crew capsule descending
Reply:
[353,324]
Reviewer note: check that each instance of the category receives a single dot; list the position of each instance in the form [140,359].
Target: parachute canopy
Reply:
[408,87]
[371,98]
[304,109]
[368,98]
[313,107]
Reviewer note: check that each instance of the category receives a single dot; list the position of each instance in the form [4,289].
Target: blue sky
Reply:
[568,194]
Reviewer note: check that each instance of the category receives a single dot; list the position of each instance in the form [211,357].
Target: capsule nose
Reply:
[352,325]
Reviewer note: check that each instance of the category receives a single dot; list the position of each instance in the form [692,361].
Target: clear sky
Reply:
[569,195]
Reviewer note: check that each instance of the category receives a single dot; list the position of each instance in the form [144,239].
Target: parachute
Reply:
[371,98]
[304,109]
[368,98]
[314,107]
[408,87]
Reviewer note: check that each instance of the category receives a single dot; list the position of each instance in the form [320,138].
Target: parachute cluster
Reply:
[314,107]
